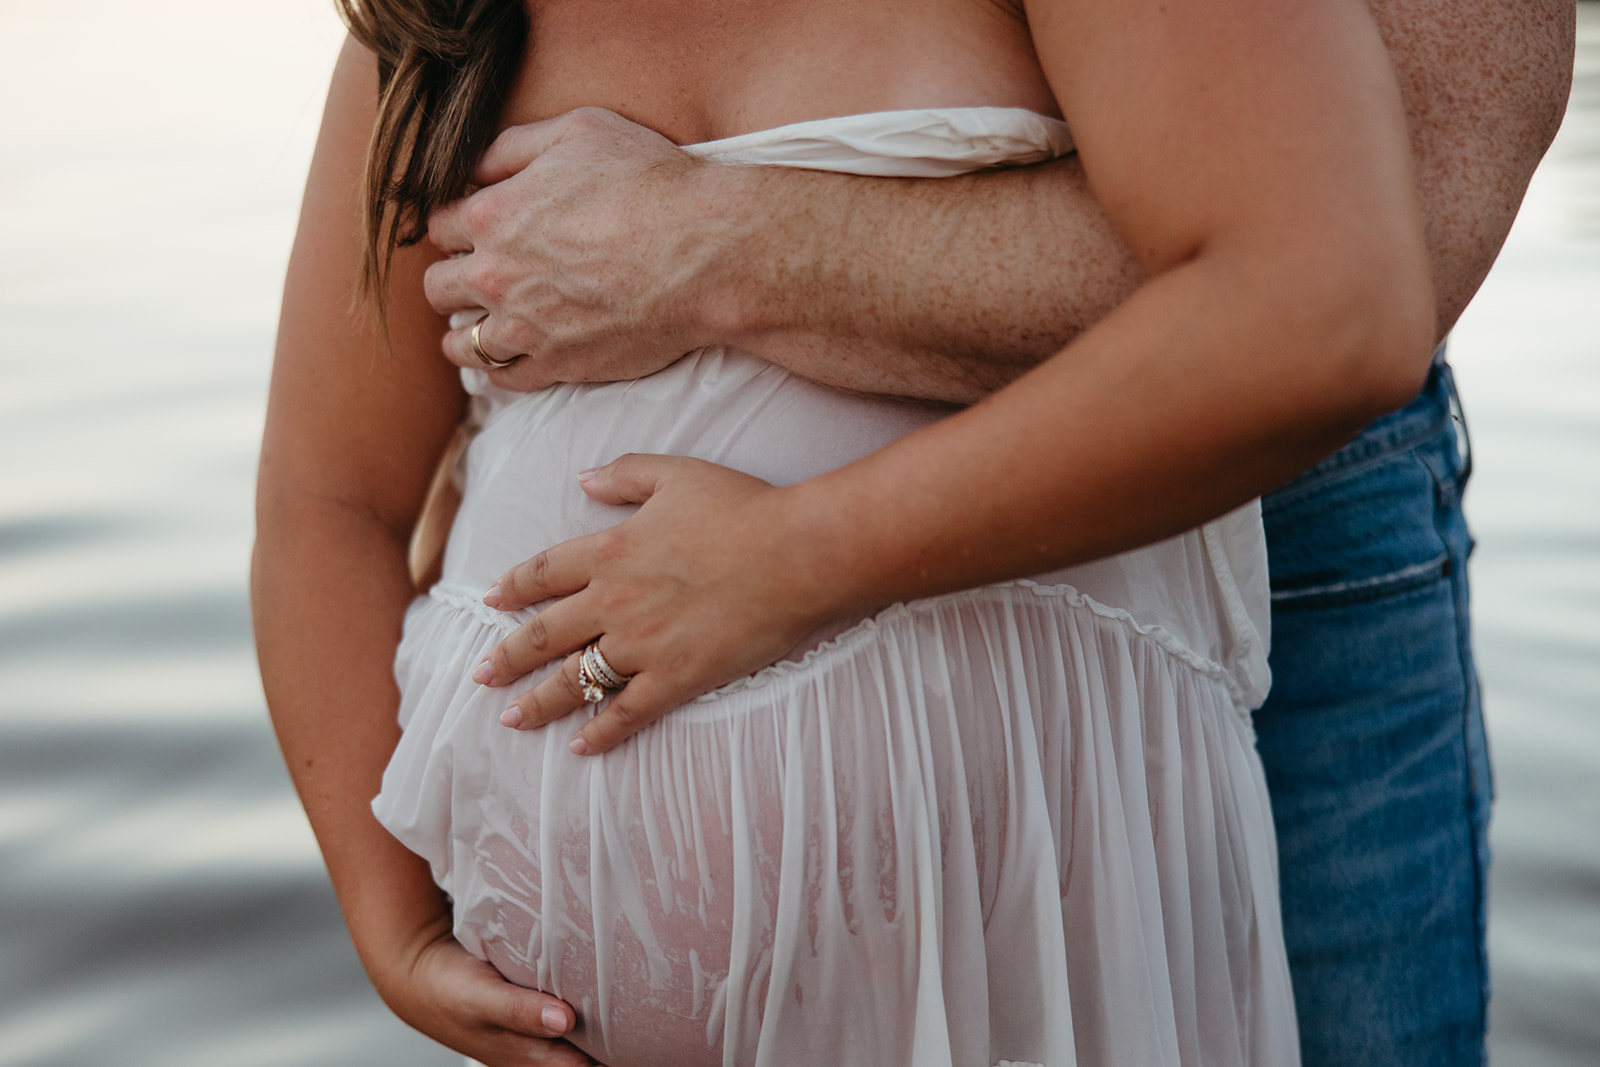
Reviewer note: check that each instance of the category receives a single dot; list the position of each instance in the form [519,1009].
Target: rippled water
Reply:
[161,901]
[1527,356]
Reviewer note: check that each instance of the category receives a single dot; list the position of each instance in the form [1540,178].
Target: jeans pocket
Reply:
[1357,535]
[1373,587]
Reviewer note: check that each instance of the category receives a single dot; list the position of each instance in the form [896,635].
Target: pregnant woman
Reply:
[1015,822]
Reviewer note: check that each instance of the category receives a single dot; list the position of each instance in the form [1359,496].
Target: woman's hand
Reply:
[707,582]
[460,1001]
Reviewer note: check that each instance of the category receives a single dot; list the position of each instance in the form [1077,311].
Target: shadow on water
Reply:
[19,537]
[1529,366]
[162,903]
[161,907]
[195,622]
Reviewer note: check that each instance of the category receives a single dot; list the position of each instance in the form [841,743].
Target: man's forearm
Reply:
[939,289]
[948,289]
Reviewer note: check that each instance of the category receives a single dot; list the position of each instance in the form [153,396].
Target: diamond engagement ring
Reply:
[596,677]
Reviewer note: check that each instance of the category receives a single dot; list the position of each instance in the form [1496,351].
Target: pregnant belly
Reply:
[717,404]
[817,865]
[806,868]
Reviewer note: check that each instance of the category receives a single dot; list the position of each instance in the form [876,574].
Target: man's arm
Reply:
[603,253]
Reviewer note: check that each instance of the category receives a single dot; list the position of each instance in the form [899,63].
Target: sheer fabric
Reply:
[1020,824]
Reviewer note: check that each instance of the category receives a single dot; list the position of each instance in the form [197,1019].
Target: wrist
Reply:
[393,911]
[823,552]
[736,260]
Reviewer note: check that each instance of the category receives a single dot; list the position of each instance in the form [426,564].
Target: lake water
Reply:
[161,901]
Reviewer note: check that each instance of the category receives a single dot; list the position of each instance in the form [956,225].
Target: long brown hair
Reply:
[445,68]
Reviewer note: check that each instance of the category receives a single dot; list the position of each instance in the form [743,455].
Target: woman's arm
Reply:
[353,432]
[1252,154]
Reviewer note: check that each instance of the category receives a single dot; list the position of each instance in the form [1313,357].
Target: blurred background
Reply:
[162,903]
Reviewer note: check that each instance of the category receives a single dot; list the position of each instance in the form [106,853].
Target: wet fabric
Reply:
[1020,824]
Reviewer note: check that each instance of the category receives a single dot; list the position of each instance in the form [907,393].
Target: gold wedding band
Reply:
[483,357]
[596,677]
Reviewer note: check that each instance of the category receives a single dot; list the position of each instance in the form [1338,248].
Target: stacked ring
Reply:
[596,677]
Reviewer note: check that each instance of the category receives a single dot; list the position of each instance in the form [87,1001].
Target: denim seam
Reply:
[1478,842]
[1449,482]
[1469,684]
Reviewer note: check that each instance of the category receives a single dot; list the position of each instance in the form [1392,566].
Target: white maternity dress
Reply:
[1020,824]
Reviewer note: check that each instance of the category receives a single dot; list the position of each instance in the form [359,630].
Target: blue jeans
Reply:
[1374,747]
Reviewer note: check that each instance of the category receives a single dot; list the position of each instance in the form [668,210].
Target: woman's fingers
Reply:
[547,1054]
[525,1011]
[559,695]
[452,978]
[558,571]
[627,711]
[465,1003]
[563,627]
[692,591]
[639,704]
[632,478]
[554,698]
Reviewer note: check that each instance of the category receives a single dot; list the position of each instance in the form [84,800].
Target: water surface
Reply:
[161,901]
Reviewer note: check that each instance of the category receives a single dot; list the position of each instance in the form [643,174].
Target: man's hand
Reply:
[460,1001]
[580,245]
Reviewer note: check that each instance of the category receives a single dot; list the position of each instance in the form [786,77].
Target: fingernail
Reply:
[511,717]
[491,598]
[483,673]
[584,476]
[578,747]
[555,1020]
